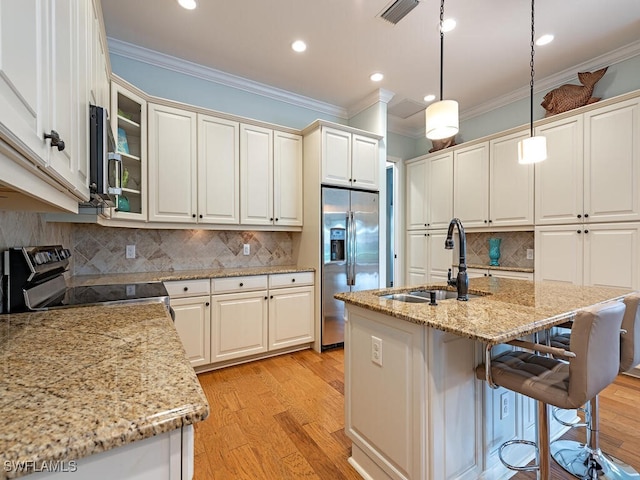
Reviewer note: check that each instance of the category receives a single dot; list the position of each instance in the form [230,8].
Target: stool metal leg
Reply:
[543,441]
[587,461]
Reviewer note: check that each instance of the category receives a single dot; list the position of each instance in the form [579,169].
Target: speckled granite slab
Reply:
[181,275]
[509,308]
[79,381]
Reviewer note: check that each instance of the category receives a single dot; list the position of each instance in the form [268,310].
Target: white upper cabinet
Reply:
[510,183]
[416,195]
[471,185]
[440,190]
[612,162]
[172,165]
[287,179]
[256,174]
[558,179]
[99,91]
[218,170]
[349,160]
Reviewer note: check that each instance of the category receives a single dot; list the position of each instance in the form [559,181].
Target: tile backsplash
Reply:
[99,249]
[513,248]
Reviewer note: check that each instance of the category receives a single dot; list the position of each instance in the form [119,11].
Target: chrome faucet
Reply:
[461,282]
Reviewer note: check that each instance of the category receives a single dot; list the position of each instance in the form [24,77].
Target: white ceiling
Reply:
[486,56]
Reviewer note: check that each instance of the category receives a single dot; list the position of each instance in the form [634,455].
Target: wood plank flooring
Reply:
[283,418]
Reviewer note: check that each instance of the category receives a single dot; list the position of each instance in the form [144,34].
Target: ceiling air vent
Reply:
[398,10]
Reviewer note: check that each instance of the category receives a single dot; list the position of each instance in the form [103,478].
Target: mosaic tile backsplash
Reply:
[513,248]
[99,249]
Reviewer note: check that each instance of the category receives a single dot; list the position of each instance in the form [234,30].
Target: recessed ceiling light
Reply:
[429,98]
[299,46]
[544,39]
[448,25]
[188,4]
[376,77]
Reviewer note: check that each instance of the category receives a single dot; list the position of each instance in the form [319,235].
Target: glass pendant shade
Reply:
[532,150]
[441,119]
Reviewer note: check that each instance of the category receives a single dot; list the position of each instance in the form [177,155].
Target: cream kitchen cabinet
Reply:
[291,310]
[427,259]
[471,185]
[511,185]
[593,170]
[596,254]
[349,159]
[491,272]
[429,192]
[218,170]
[129,120]
[172,164]
[191,302]
[99,65]
[271,177]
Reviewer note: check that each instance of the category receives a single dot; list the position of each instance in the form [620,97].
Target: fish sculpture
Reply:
[567,97]
[442,144]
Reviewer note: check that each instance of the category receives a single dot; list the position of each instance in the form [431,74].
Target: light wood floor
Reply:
[283,418]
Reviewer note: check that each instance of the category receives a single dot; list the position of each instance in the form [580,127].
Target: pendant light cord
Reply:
[441,46]
[531,64]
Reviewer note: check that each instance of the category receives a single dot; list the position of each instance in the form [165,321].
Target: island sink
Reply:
[424,296]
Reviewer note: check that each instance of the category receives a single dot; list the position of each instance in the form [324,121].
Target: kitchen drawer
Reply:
[187,288]
[281,280]
[238,284]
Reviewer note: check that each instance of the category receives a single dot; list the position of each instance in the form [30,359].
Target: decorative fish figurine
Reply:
[442,144]
[567,97]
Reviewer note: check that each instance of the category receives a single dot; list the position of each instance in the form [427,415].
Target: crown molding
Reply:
[380,95]
[393,126]
[168,62]
[616,56]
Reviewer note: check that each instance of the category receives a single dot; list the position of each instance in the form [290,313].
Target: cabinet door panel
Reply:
[471,185]
[559,178]
[256,175]
[612,162]
[511,184]
[193,323]
[416,195]
[290,317]
[416,258]
[23,73]
[172,165]
[440,259]
[559,254]
[287,179]
[239,325]
[440,190]
[336,157]
[364,162]
[218,170]
[611,256]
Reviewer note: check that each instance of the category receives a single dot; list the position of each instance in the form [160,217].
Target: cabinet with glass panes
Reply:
[129,124]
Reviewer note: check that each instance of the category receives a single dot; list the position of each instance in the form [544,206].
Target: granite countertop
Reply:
[509,308]
[140,277]
[505,269]
[79,381]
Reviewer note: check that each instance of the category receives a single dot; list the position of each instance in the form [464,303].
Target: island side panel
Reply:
[384,404]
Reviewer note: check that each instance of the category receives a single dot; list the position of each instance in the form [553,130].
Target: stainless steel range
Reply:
[33,280]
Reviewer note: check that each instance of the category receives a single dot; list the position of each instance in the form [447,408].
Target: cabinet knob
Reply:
[293,280]
[276,219]
[270,296]
[579,231]
[490,221]
[485,221]
[186,289]
[586,231]
[351,179]
[271,219]
[579,216]
[425,224]
[241,284]
[354,180]
[200,216]
[56,141]
[206,304]
[194,215]
[266,298]
[586,215]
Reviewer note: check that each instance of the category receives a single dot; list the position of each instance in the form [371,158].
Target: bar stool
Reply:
[593,365]
[576,457]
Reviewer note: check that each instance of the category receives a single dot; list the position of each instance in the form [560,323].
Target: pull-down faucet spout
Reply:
[461,282]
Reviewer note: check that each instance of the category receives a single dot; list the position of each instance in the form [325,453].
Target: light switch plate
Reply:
[131,251]
[529,253]
[246,249]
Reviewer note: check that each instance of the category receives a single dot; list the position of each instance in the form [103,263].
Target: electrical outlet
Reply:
[376,350]
[529,253]
[504,405]
[131,251]
[246,249]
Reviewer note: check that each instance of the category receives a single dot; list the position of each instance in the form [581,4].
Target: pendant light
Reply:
[441,118]
[532,149]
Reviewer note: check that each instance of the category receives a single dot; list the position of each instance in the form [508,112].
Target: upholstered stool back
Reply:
[630,341]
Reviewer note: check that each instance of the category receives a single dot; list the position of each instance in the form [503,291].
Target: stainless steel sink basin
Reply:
[424,296]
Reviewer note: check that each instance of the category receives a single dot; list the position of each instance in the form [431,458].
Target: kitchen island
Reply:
[413,406]
[96,392]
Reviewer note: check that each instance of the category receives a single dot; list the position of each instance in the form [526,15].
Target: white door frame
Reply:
[398,219]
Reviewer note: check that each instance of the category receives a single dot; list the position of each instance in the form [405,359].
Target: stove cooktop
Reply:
[110,294]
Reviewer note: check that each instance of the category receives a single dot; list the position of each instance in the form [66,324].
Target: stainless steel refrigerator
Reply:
[350,253]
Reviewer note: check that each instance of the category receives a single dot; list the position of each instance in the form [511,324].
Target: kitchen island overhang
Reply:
[413,406]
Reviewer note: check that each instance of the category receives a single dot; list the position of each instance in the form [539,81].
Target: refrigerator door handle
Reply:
[351,258]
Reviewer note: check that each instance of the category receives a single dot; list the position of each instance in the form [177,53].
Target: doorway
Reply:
[393,208]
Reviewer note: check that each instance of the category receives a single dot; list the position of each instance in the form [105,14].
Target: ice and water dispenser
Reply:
[337,236]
